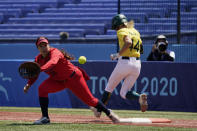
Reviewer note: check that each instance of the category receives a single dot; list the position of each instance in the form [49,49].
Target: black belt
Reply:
[127,58]
[73,73]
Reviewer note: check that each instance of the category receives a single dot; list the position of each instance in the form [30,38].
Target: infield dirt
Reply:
[60,118]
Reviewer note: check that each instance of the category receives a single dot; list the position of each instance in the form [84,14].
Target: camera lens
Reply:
[161,46]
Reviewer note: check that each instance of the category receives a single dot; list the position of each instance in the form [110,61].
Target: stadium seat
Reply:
[100,27]
[138,17]
[24,7]
[42,3]
[146,32]
[123,5]
[164,26]
[60,20]
[92,18]
[86,14]
[171,20]
[28,36]
[87,5]
[184,15]
[80,10]
[72,32]
[11,12]
[160,12]
[1,17]
[126,1]
[194,9]
[111,32]
[101,36]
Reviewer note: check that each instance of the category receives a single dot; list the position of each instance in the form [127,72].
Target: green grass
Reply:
[27,126]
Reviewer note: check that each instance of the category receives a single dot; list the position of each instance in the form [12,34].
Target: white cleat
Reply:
[143,102]
[43,120]
[96,113]
[114,117]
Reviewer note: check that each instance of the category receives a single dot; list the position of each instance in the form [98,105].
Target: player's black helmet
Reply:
[118,20]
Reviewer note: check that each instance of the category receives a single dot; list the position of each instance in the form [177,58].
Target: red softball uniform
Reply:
[63,74]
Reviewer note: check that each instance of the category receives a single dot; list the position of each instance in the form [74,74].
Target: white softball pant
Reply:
[127,69]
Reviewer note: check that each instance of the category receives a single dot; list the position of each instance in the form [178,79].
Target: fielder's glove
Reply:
[114,56]
[28,70]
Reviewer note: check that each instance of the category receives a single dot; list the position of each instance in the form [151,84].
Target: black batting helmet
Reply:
[118,20]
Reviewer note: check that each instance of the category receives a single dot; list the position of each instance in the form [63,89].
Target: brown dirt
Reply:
[60,118]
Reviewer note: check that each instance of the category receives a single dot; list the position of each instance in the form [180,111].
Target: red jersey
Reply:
[55,65]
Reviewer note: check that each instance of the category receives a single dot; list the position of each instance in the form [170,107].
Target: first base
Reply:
[144,120]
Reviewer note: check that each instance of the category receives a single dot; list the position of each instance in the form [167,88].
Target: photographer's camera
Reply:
[161,46]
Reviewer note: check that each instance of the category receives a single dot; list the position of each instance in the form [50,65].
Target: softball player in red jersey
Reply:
[128,66]
[62,74]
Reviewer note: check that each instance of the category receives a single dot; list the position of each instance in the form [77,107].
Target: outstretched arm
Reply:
[127,44]
[26,88]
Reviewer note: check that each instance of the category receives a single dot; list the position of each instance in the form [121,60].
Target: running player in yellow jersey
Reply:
[128,66]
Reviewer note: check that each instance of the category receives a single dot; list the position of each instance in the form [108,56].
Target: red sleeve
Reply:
[55,56]
[85,75]
[31,81]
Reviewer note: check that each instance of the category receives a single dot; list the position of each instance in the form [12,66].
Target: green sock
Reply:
[131,95]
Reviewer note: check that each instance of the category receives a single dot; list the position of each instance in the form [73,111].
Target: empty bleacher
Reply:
[20,8]
[7,12]
[1,17]
[42,3]
[92,18]
[24,7]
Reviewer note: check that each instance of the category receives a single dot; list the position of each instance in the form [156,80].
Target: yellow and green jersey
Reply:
[134,50]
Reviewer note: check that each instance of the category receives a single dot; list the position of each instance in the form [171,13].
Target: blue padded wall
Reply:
[184,53]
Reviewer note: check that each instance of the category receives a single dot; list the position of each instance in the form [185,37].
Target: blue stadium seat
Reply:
[158,28]
[23,7]
[184,15]
[123,5]
[93,17]
[104,20]
[72,32]
[87,5]
[111,32]
[28,36]
[161,12]
[99,26]
[101,36]
[80,10]
[126,1]
[71,14]
[194,9]
[11,12]
[171,20]
[155,26]
[42,3]
[146,32]
[1,17]
[138,17]
[148,11]
[190,3]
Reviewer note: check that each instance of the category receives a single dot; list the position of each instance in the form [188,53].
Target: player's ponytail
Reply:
[67,55]
[130,24]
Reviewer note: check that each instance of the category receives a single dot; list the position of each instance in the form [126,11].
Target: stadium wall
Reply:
[169,86]
[184,53]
